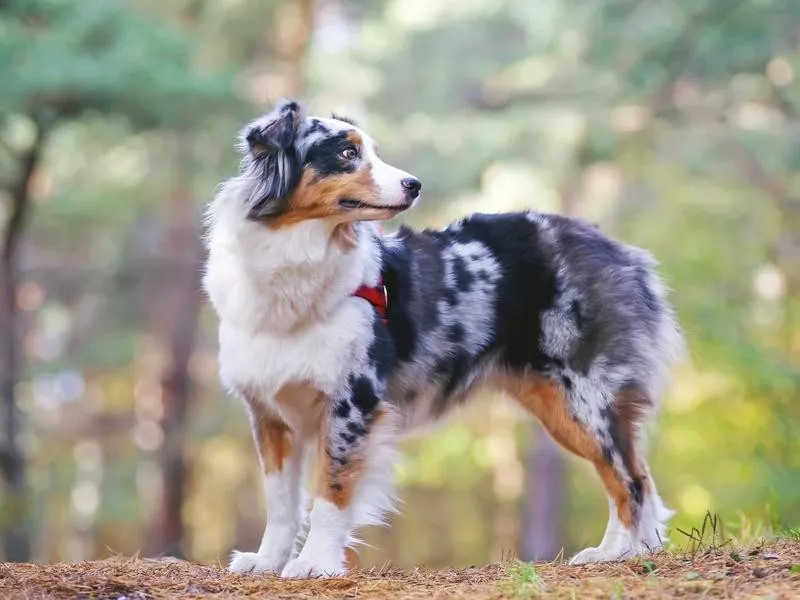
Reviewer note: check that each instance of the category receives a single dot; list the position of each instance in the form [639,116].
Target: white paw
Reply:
[252,562]
[302,567]
[593,555]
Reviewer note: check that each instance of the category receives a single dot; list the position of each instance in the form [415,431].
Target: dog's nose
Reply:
[412,184]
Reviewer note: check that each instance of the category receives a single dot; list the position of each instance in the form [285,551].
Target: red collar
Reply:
[377,296]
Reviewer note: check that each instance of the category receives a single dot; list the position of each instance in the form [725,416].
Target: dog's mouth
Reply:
[352,204]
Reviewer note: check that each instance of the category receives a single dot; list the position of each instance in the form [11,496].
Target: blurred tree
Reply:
[63,60]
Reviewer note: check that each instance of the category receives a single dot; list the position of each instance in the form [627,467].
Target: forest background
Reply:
[672,125]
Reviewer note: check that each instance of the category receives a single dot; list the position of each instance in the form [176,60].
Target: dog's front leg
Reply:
[353,486]
[280,453]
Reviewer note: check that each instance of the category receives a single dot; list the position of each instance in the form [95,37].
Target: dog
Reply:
[340,339]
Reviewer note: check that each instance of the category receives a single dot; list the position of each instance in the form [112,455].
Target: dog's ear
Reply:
[274,132]
[272,159]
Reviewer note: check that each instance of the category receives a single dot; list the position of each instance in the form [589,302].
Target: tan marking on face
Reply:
[546,400]
[355,138]
[318,197]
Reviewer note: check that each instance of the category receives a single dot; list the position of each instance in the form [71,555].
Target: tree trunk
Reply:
[16,534]
[185,254]
[544,500]
[297,21]
[176,390]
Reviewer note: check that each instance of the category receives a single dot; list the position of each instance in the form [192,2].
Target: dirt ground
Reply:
[767,571]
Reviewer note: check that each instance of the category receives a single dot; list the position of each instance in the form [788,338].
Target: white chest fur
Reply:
[284,300]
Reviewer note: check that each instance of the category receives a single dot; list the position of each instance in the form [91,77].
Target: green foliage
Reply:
[62,59]
[618,590]
[523,581]
[793,533]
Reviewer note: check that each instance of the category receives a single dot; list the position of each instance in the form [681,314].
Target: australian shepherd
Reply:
[340,339]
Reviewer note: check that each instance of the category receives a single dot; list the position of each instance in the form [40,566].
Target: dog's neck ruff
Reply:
[276,281]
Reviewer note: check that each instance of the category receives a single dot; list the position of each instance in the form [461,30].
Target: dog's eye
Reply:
[349,153]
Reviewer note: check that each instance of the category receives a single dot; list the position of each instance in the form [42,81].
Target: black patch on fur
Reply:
[608,416]
[608,454]
[324,156]
[342,409]
[349,438]
[456,333]
[526,287]
[356,428]
[381,351]
[575,307]
[363,394]
[566,382]
[464,279]
[450,297]
[637,491]
[397,279]
[425,265]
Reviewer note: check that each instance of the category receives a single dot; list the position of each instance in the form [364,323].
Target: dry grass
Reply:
[771,570]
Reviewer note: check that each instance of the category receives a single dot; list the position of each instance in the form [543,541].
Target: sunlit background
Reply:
[673,125]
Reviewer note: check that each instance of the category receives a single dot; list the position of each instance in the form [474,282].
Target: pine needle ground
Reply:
[768,570]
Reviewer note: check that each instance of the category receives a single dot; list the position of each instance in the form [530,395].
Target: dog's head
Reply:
[316,168]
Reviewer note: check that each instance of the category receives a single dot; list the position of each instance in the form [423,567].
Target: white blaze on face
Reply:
[387,178]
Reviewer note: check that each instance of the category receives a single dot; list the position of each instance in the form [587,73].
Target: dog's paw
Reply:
[593,555]
[252,562]
[303,568]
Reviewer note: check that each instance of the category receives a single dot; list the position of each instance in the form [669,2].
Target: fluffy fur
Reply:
[571,324]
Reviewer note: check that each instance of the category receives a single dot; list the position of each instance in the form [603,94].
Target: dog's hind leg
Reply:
[280,454]
[354,480]
[608,434]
